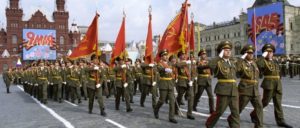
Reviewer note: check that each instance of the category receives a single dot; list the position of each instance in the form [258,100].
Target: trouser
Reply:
[137,85]
[95,93]
[257,105]
[130,90]
[276,97]
[146,90]
[221,105]
[75,93]
[199,93]
[57,91]
[167,94]
[121,91]
[190,98]
[111,88]
[84,89]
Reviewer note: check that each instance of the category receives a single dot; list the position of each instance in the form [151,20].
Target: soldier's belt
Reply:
[119,78]
[226,81]
[148,76]
[183,77]
[272,77]
[138,73]
[249,81]
[112,75]
[204,75]
[92,79]
[42,78]
[56,77]
[74,79]
[166,78]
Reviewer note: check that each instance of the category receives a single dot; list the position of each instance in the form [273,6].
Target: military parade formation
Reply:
[170,80]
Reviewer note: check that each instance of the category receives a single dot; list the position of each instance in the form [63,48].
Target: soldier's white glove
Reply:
[71,66]
[168,70]
[194,61]
[221,54]
[188,62]
[154,83]
[176,81]
[51,83]
[244,56]
[80,85]
[265,54]
[196,78]
[123,66]
[25,82]
[108,80]
[151,65]
[48,83]
[35,84]
[64,82]
[96,68]
[98,85]
[125,85]
[191,83]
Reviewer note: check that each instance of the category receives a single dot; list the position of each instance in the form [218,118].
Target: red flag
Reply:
[192,36]
[89,43]
[176,35]
[119,48]
[149,45]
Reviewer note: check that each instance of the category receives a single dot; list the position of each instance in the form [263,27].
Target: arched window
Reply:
[237,48]
[216,51]
[61,40]
[5,67]
[208,50]
[14,39]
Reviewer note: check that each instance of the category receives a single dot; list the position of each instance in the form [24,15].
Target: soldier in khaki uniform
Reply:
[226,88]
[63,74]
[57,82]
[94,85]
[75,83]
[148,83]
[42,80]
[121,83]
[8,78]
[185,83]
[271,85]
[204,81]
[166,86]
[248,86]
[130,78]
[111,82]
[83,78]
[138,76]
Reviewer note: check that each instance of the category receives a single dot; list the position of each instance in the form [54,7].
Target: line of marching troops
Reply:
[183,74]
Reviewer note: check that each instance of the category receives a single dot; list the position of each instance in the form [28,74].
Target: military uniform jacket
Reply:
[121,76]
[249,78]
[7,77]
[149,74]
[63,74]
[166,80]
[75,77]
[55,75]
[42,75]
[184,74]
[83,74]
[92,77]
[270,70]
[226,74]
[138,72]
[204,73]
[111,73]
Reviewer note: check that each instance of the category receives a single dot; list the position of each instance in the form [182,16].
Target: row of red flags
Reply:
[177,37]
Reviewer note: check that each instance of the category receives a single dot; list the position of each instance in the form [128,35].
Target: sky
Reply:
[111,11]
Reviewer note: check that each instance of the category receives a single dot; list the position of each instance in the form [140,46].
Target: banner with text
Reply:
[39,44]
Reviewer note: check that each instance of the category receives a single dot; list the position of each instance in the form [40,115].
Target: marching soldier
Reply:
[94,86]
[63,74]
[111,82]
[130,78]
[185,83]
[42,80]
[8,79]
[204,81]
[121,84]
[166,86]
[68,80]
[248,86]
[56,80]
[83,78]
[148,83]
[138,76]
[75,83]
[271,85]
[51,80]
[226,88]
